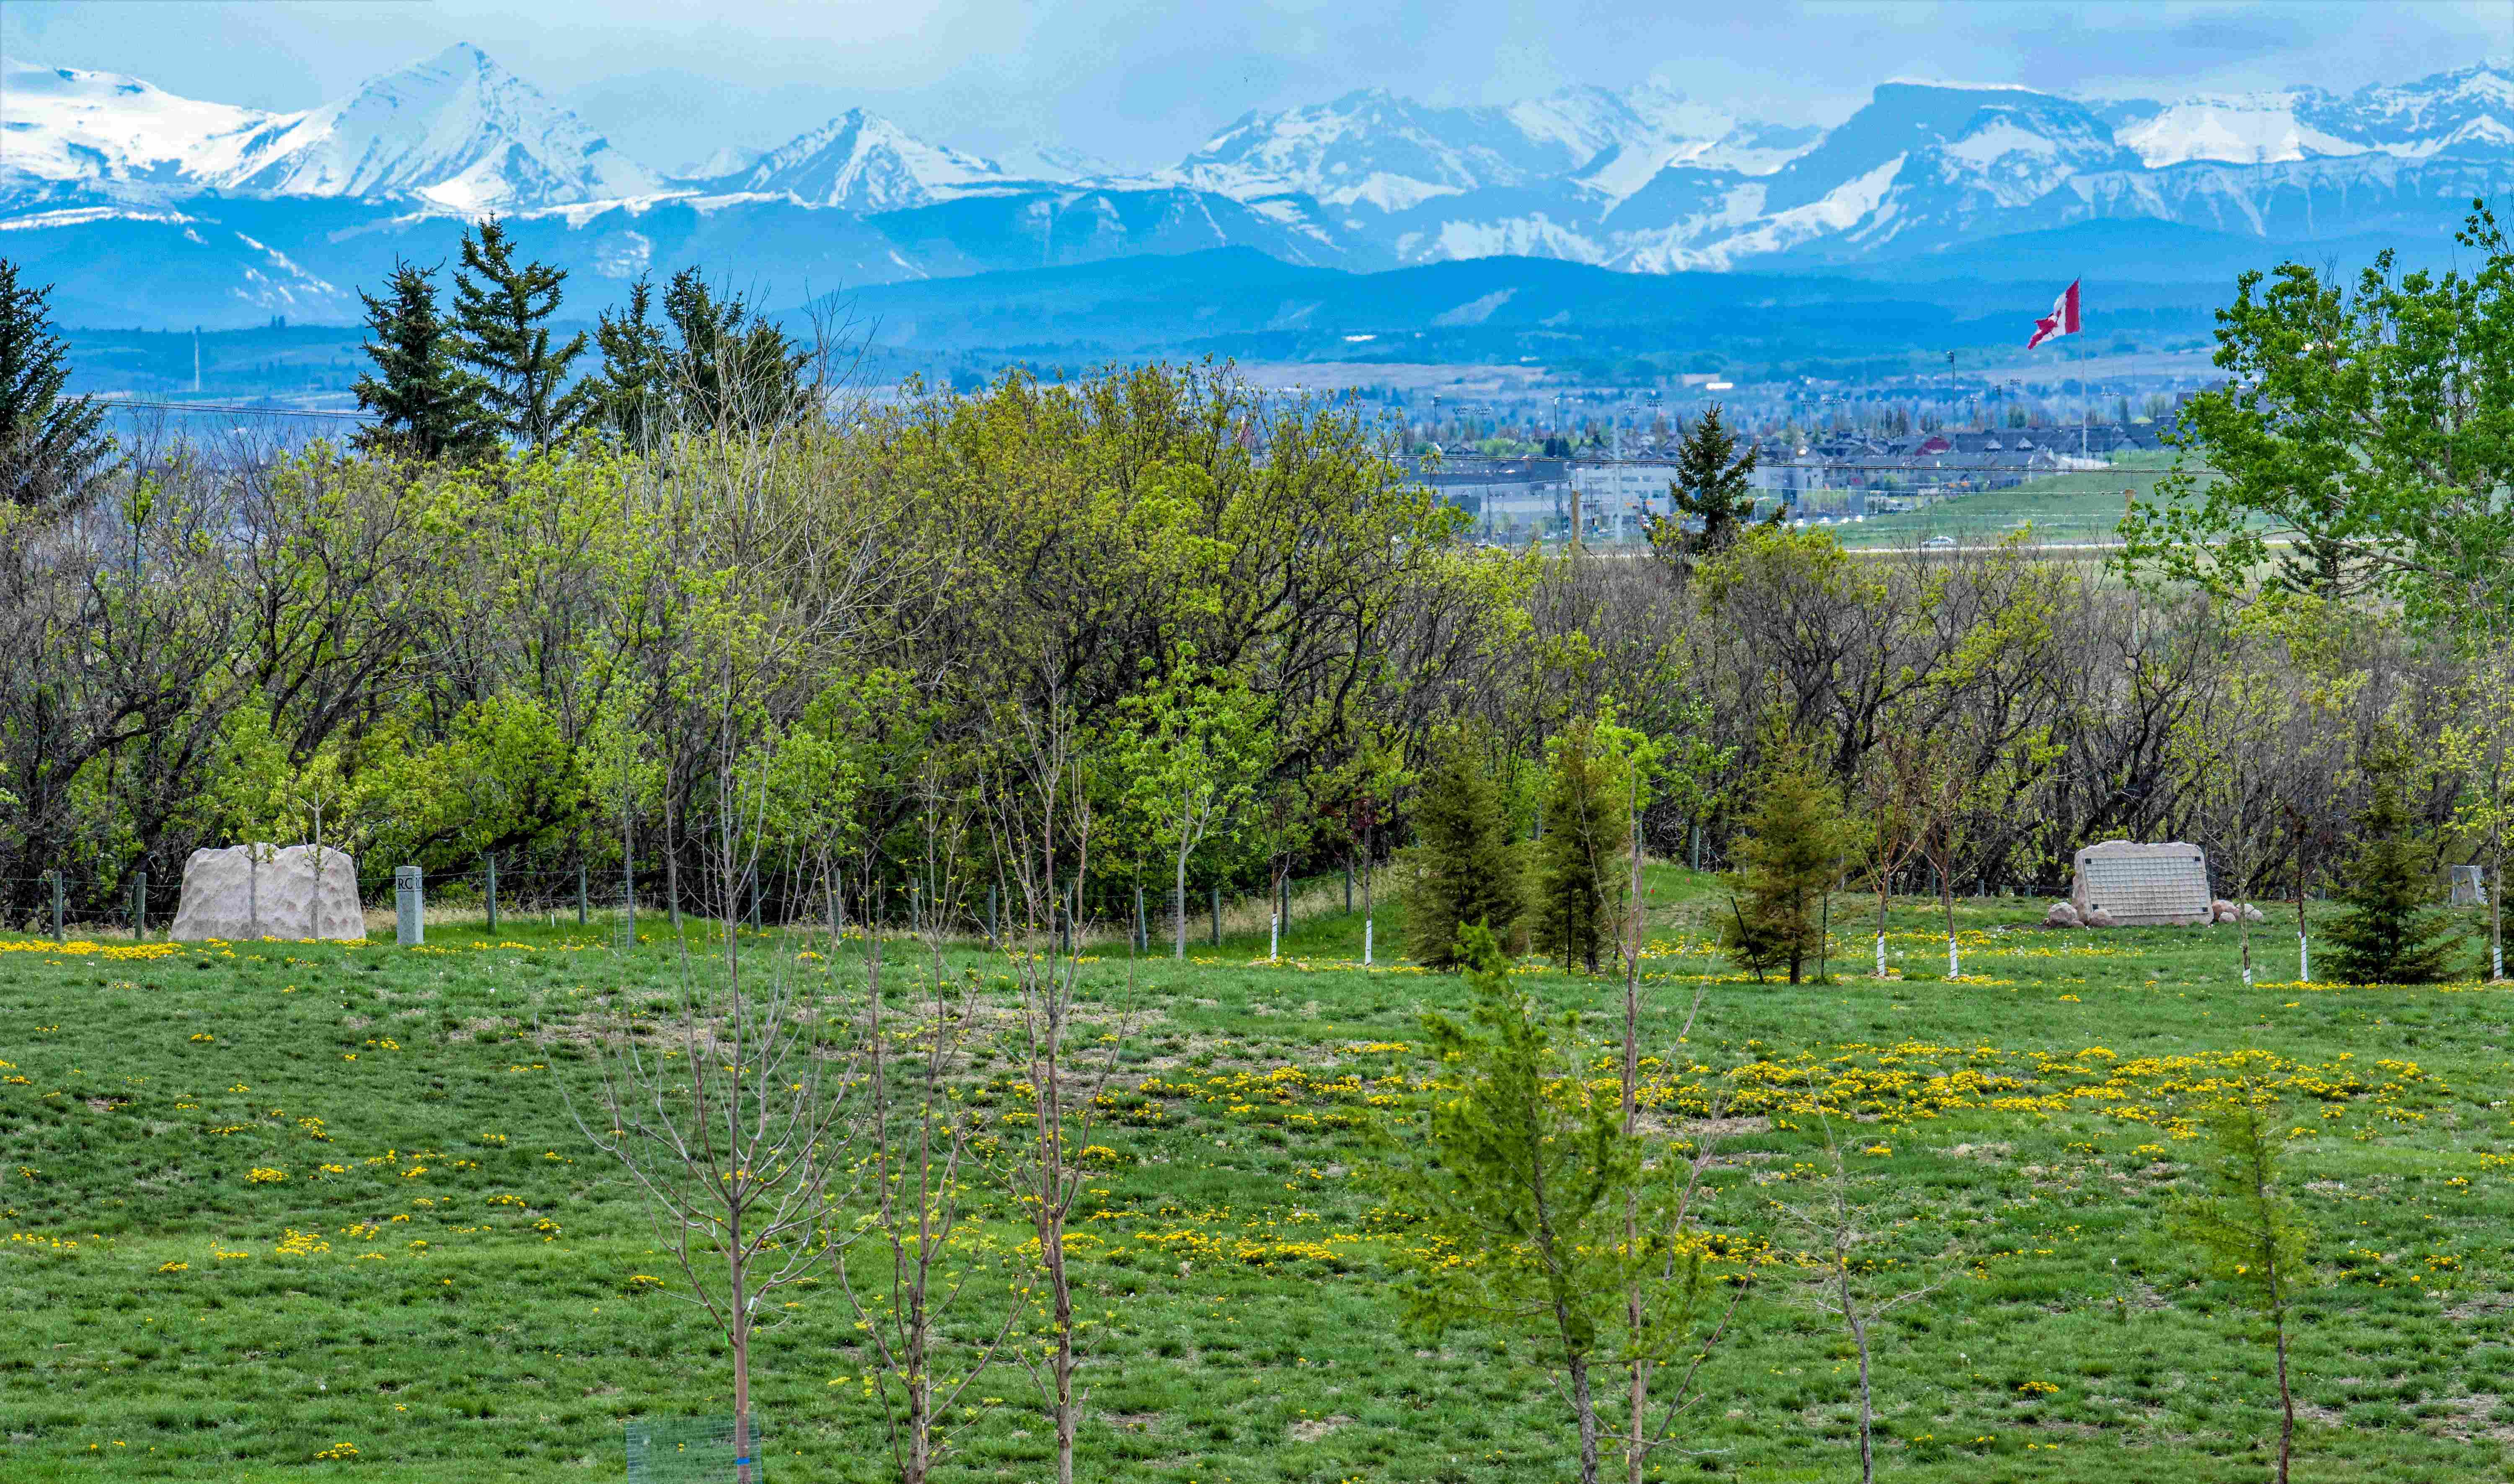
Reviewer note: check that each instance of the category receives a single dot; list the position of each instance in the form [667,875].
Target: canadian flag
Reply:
[2063,320]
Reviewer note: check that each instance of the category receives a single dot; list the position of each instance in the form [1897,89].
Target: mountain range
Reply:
[148,208]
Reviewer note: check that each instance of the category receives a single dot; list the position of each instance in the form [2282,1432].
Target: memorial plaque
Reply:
[2469,886]
[2143,885]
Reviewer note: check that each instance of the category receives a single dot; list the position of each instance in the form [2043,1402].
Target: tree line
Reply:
[541,609]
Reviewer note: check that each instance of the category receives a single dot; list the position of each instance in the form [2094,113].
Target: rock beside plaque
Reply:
[2062,915]
[266,891]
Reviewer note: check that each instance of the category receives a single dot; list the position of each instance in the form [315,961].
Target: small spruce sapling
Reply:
[1522,1168]
[2392,931]
[2248,1230]
[1788,857]
[1465,871]
[1576,895]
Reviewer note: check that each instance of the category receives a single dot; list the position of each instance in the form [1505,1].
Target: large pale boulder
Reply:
[2141,885]
[264,891]
[2062,915]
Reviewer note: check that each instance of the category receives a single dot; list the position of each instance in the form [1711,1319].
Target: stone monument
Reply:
[2138,885]
[266,891]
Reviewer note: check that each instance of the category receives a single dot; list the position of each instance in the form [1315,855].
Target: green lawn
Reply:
[2062,509]
[439,1277]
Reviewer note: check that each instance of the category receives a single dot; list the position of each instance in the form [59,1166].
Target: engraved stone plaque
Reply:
[2143,885]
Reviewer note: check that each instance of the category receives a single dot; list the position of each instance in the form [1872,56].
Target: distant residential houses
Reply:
[1834,479]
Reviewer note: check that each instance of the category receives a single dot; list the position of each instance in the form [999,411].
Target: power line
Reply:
[230,408]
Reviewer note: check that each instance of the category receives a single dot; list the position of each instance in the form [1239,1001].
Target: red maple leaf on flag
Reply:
[2063,320]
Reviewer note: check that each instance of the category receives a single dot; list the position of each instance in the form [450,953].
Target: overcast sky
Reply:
[1142,84]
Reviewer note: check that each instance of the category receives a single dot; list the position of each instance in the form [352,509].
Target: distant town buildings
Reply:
[1838,478]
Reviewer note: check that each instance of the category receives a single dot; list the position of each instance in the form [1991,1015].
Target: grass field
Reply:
[292,1211]
[2061,509]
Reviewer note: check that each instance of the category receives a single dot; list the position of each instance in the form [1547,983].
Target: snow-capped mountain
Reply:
[296,209]
[455,131]
[863,164]
[2470,111]
[65,127]
[1372,148]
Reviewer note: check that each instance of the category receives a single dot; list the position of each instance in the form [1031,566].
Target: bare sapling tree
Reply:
[1041,820]
[2481,754]
[924,1167]
[1663,1259]
[1834,1223]
[1890,792]
[736,1127]
[2239,786]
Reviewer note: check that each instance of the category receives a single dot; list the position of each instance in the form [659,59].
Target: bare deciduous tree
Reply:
[735,1130]
[1836,1289]
[922,1165]
[1043,824]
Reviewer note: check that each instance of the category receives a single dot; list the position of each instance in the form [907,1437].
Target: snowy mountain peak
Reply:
[457,129]
[864,163]
[66,126]
[1371,148]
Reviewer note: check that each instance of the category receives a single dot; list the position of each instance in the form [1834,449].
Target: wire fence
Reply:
[1107,913]
[696,1450]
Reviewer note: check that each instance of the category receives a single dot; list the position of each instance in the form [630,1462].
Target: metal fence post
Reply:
[1142,928]
[756,887]
[60,890]
[1348,888]
[1217,916]
[140,906]
[410,907]
[579,894]
[992,941]
[490,863]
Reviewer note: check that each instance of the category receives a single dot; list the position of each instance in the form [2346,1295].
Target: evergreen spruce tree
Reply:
[1466,868]
[630,397]
[2393,932]
[732,367]
[502,313]
[50,450]
[426,407]
[1788,858]
[1579,878]
[1712,490]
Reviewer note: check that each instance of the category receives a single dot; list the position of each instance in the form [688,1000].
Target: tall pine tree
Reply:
[52,452]
[1711,495]
[732,367]
[425,406]
[1466,865]
[630,397]
[2393,931]
[502,313]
